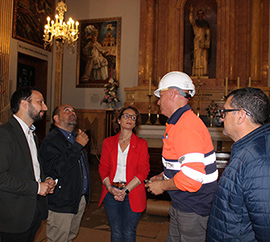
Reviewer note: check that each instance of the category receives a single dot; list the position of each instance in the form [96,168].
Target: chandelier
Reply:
[63,33]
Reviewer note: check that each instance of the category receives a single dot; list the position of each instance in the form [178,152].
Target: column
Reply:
[5,33]
[149,41]
[255,40]
[58,73]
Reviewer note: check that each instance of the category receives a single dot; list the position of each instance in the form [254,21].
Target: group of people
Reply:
[50,183]
[235,209]
[53,182]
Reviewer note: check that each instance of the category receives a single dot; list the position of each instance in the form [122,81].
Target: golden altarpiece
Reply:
[239,48]
[237,56]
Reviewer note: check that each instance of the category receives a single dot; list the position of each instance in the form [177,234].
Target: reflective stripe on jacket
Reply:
[188,157]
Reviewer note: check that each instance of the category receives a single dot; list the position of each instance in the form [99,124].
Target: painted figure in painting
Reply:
[201,46]
[97,65]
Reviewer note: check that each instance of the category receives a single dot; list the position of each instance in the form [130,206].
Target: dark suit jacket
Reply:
[18,188]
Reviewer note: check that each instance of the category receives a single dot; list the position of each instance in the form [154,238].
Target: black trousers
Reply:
[27,236]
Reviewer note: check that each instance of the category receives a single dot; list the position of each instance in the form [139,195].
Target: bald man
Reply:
[64,159]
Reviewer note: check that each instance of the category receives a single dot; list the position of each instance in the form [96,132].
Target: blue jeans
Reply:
[123,221]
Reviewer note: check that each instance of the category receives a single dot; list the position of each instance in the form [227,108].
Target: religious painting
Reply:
[98,56]
[29,19]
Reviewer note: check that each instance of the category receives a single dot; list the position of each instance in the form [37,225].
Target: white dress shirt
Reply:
[28,132]
[120,175]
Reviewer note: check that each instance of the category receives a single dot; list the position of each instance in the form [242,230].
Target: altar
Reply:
[153,135]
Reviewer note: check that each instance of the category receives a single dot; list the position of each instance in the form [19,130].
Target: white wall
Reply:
[129,11]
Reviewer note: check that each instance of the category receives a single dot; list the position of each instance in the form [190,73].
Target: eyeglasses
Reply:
[222,112]
[131,116]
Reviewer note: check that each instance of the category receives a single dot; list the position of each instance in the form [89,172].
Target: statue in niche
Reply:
[201,44]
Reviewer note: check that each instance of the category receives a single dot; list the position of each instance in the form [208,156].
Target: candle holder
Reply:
[249,82]
[157,120]
[198,86]
[238,82]
[198,111]
[149,110]
[226,86]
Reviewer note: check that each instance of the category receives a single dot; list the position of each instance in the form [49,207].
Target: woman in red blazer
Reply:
[124,165]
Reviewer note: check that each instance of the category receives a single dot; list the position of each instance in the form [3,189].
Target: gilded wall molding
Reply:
[5,33]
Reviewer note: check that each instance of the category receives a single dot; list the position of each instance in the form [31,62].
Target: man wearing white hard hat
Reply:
[189,160]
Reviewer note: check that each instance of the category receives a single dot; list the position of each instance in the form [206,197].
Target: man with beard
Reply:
[64,159]
[22,187]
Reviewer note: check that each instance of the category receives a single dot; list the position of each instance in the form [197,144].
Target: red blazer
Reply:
[137,165]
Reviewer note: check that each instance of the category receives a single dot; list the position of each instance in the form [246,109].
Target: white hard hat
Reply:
[176,79]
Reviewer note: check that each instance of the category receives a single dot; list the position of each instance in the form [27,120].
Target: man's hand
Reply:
[52,184]
[82,138]
[155,187]
[158,177]
[158,187]
[44,188]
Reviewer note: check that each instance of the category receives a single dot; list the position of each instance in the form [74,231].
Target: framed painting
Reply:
[98,55]
[29,18]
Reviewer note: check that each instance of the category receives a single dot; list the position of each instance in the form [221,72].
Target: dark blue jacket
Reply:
[241,207]
[61,160]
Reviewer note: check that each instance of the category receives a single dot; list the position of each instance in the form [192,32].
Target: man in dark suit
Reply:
[22,187]
[63,158]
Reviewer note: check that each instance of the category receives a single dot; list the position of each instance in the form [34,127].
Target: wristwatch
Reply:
[126,190]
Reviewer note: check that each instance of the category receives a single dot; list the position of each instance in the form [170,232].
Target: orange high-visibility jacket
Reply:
[188,157]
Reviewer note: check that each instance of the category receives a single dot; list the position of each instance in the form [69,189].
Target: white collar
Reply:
[24,126]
